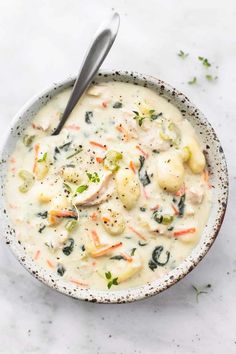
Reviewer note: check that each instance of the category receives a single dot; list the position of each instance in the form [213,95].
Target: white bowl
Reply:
[219,180]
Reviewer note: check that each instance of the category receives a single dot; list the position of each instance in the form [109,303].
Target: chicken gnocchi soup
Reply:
[119,198]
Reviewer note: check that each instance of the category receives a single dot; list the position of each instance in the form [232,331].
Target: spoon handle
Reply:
[94,58]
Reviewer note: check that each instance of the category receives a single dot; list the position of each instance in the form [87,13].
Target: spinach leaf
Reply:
[141,160]
[157,216]
[142,243]
[152,265]
[56,152]
[67,250]
[154,261]
[65,146]
[60,269]
[118,257]
[181,205]
[143,176]
[41,228]
[43,215]
[88,116]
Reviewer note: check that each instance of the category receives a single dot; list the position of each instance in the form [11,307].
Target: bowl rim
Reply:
[130,294]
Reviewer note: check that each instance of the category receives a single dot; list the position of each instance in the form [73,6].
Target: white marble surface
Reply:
[44,41]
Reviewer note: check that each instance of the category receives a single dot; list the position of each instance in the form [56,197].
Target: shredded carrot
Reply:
[95,238]
[94,216]
[99,159]
[191,230]
[36,151]
[145,154]
[106,250]
[50,263]
[137,233]
[181,191]
[13,160]
[122,130]
[104,219]
[78,282]
[104,104]
[132,166]
[94,143]
[127,257]
[94,263]
[72,127]
[62,213]
[175,209]
[37,254]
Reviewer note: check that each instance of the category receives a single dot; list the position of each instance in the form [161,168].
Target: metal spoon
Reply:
[94,58]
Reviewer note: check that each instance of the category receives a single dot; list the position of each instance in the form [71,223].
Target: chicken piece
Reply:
[195,194]
[96,193]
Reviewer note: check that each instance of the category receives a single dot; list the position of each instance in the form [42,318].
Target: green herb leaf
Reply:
[81,188]
[132,251]
[111,280]
[115,281]
[182,55]
[204,61]
[44,158]
[108,275]
[138,118]
[193,81]
[199,291]
[211,78]
[93,177]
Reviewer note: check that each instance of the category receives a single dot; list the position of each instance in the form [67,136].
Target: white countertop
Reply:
[44,41]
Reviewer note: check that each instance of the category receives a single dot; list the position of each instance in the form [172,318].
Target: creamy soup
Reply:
[119,198]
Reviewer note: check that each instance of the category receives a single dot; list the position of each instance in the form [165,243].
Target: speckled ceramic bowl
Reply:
[219,180]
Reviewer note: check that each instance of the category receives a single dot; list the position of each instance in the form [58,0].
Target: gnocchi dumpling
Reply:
[170,171]
[124,270]
[196,161]
[113,221]
[128,187]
